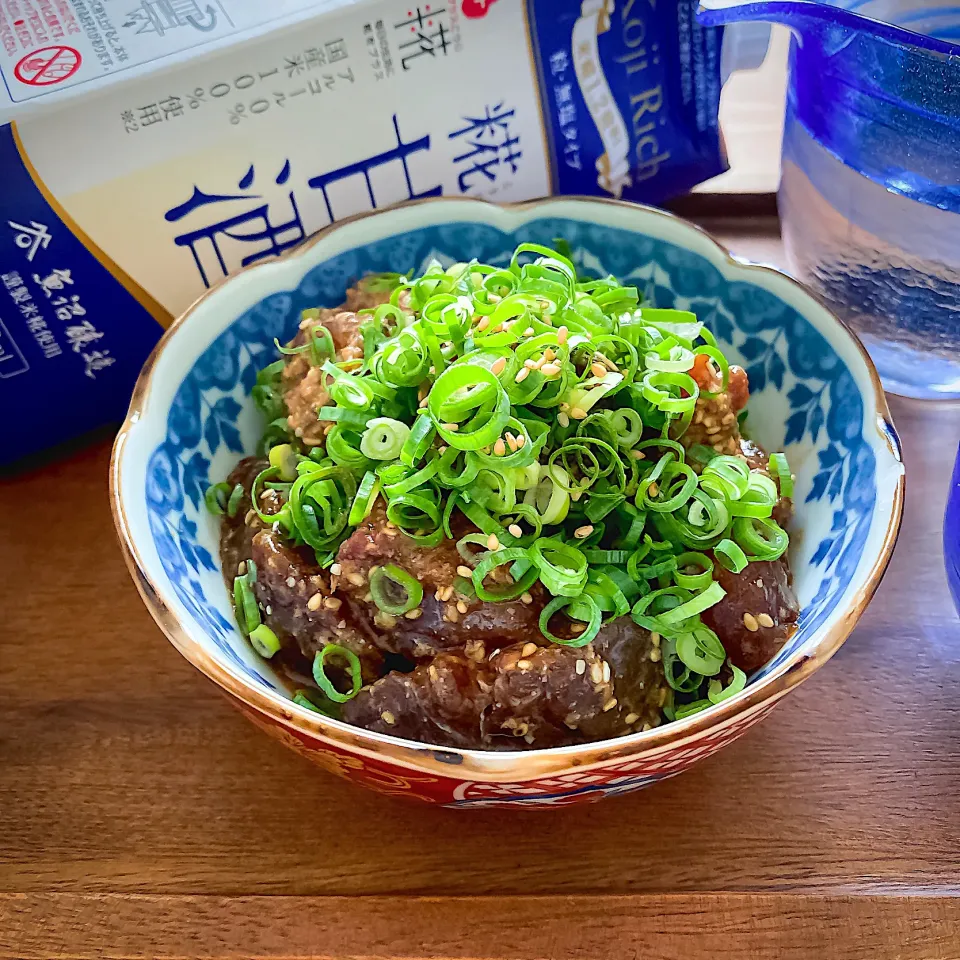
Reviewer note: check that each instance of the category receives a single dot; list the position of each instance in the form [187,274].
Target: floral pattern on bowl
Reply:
[814,394]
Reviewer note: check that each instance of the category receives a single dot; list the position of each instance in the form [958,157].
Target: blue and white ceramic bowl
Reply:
[814,394]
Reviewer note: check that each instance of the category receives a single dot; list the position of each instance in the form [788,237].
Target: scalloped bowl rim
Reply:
[252,283]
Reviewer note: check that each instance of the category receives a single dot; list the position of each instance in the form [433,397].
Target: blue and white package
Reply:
[122,201]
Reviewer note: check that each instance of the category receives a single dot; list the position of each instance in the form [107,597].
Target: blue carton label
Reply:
[72,337]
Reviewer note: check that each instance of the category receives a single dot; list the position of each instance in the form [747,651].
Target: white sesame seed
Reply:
[388,717]
[598,369]
[291,581]
[515,530]
[596,673]
[461,606]
[631,718]
[562,335]
[526,598]
[336,569]
[578,413]
[637,454]
[413,614]
[606,672]
[653,490]
[750,622]
[499,448]
[483,324]
[765,620]
[655,655]
[241,568]
[529,649]
[315,602]
[528,332]
[610,704]
[524,664]
[451,427]
[549,369]
[581,667]
[522,375]
[582,532]
[563,420]
[356,579]
[332,603]
[492,542]
[464,571]
[521,440]
[498,366]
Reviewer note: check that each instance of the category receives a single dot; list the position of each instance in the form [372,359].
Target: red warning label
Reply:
[47,66]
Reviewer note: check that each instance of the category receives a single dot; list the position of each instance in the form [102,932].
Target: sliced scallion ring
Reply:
[394,590]
[384,438]
[264,641]
[352,668]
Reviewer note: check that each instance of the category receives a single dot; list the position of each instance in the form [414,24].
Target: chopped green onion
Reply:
[563,568]
[264,641]
[489,561]
[317,703]
[418,440]
[284,458]
[707,598]
[689,709]
[233,503]
[394,590]
[560,603]
[384,438]
[698,562]
[215,498]
[245,604]
[701,650]
[782,469]
[365,499]
[352,669]
[730,555]
[717,692]
[760,538]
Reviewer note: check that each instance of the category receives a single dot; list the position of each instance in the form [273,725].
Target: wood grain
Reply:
[677,927]
[122,772]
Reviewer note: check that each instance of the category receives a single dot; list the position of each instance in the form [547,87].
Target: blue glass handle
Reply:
[951,535]
[884,100]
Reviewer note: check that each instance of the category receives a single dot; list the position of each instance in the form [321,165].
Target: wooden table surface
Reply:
[142,816]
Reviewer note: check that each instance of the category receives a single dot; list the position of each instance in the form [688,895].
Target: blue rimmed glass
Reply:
[870,191]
